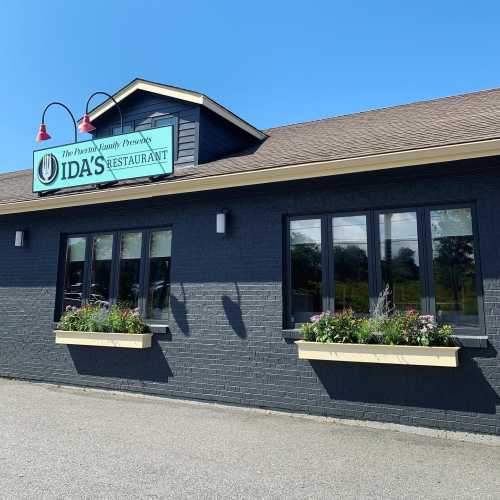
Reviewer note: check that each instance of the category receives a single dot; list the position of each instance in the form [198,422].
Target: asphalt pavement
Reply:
[70,443]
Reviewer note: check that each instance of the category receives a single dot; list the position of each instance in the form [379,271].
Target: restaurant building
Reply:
[227,238]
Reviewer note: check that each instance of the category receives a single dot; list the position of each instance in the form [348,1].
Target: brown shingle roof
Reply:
[439,122]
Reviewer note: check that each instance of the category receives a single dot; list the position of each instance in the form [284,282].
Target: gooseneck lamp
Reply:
[43,135]
[86,126]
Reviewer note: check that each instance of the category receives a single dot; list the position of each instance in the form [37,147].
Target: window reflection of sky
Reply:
[304,232]
[76,249]
[453,222]
[350,230]
[103,247]
[402,230]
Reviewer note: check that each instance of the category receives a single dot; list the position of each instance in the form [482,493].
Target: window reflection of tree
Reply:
[128,293]
[129,271]
[75,262]
[73,284]
[454,265]
[400,271]
[99,288]
[351,277]
[306,274]
[100,275]
[159,287]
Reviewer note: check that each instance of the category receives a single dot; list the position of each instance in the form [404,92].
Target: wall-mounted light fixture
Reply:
[19,239]
[221,221]
[86,126]
[43,135]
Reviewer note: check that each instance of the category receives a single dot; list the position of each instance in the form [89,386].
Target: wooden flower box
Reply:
[104,339]
[378,353]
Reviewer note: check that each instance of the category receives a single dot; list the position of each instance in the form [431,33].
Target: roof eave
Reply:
[384,161]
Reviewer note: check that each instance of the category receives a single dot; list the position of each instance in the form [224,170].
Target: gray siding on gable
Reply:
[142,107]
[219,138]
[202,136]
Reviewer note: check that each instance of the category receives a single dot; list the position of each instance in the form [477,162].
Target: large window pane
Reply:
[159,275]
[400,259]
[73,275]
[100,272]
[454,266]
[130,270]
[350,263]
[306,273]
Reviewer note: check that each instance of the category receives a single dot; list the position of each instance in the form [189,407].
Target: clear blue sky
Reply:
[271,62]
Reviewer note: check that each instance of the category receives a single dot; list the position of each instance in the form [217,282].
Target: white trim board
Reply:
[422,157]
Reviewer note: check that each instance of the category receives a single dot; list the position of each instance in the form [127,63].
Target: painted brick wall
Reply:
[226,339]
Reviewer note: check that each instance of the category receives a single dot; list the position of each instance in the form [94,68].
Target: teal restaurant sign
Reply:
[148,153]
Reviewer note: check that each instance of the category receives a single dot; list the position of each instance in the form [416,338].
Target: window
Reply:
[306,269]
[159,274]
[147,123]
[426,256]
[127,127]
[129,273]
[399,258]
[350,263]
[73,273]
[129,268]
[143,125]
[165,121]
[100,274]
[454,266]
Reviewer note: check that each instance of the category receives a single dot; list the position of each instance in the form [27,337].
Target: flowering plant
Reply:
[95,318]
[328,327]
[412,328]
[401,328]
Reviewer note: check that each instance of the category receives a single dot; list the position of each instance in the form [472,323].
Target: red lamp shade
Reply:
[42,133]
[86,126]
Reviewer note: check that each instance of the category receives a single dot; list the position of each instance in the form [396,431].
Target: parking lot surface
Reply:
[60,442]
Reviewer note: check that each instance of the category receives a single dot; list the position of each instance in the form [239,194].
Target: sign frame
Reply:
[97,183]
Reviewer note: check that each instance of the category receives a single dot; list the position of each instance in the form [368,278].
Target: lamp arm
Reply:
[110,97]
[54,103]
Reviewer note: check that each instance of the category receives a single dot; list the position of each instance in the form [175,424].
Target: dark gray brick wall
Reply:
[225,342]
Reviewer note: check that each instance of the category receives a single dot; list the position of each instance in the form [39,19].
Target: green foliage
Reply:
[341,327]
[94,318]
[408,328]
[125,320]
[392,330]
[308,330]
[367,331]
